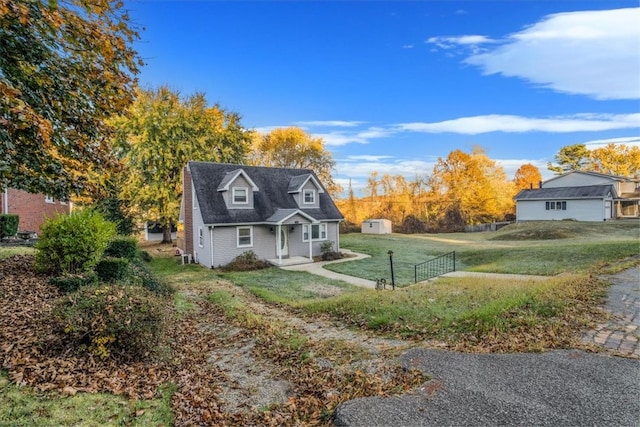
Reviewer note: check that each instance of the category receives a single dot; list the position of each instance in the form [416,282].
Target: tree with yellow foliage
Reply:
[292,147]
[160,134]
[472,187]
[616,159]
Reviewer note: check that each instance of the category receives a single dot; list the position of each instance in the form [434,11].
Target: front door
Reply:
[284,242]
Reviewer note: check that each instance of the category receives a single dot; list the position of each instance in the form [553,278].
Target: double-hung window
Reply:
[556,206]
[309,197]
[200,237]
[240,196]
[318,232]
[244,237]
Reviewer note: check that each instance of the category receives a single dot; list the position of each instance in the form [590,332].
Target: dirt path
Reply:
[255,382]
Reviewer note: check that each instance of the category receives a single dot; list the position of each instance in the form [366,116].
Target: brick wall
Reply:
[32,209]
[187,198]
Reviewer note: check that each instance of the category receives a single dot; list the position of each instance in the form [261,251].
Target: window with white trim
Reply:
[309,197]
[556,206]
[240,195]
[48,199]
[244,237]
[200,237]
[318,232]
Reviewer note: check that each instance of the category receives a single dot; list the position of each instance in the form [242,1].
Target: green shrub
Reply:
[8,225]
[73,243]
[145,256]
[328,254]
[141,275]
[246,261]
[71,283]
[112,269]
[121,322]
[122,247]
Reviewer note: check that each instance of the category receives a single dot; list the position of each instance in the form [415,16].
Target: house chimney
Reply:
[531,186]
[539,184]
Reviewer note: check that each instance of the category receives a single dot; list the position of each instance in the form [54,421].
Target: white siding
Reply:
[376,226]
[577,180]
[240,181]
[201,255]
[225,245]
[581,210]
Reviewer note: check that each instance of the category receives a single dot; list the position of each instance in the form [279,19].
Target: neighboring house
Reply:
[376,226]
[583,196]
[33,209]
[282,215]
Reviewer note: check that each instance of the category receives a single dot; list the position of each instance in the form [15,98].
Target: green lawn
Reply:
[510,250]
[22,406]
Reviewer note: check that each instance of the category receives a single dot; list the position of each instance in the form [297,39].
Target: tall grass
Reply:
[477,308]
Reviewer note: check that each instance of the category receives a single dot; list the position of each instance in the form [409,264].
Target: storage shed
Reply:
[376,226]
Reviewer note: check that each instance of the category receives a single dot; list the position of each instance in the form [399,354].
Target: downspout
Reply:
[5,201]
[211,243]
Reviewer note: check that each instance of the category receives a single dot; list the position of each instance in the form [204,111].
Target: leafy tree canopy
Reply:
[293,148]
[527,176]
[66,66]
[159,135]
[623,160]
[570,158]
[472,185]
[616,159]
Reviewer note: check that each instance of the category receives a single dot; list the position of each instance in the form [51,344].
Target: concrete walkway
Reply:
[317,268]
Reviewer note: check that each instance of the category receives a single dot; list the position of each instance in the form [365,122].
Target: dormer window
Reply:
[309,197]
[240,195]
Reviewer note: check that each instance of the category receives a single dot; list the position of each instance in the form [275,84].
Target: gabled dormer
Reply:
[237,190]
[306,191]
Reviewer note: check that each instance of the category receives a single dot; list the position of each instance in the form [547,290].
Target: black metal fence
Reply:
[435,267]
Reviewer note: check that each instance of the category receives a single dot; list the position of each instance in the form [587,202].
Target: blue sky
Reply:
[391,86]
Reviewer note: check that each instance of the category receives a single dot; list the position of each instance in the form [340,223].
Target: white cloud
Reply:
[508,123]
[626,140]
[451,42]
[329,123]
[592,53]
[357,137]
[340,138]
[367,158]
[362,169]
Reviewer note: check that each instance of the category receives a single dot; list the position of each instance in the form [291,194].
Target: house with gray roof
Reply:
[283,215]
[583,196]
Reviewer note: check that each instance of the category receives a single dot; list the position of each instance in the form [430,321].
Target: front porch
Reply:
[294,260]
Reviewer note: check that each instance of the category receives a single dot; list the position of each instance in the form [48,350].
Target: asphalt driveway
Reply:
[558,388]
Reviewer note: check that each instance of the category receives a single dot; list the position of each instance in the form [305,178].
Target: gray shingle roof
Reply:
[273,194]
[296,182]
[586,192]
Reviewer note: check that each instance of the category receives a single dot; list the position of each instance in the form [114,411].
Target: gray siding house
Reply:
[583,196]
[283,215]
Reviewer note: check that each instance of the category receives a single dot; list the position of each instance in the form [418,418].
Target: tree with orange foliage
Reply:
[527,176]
